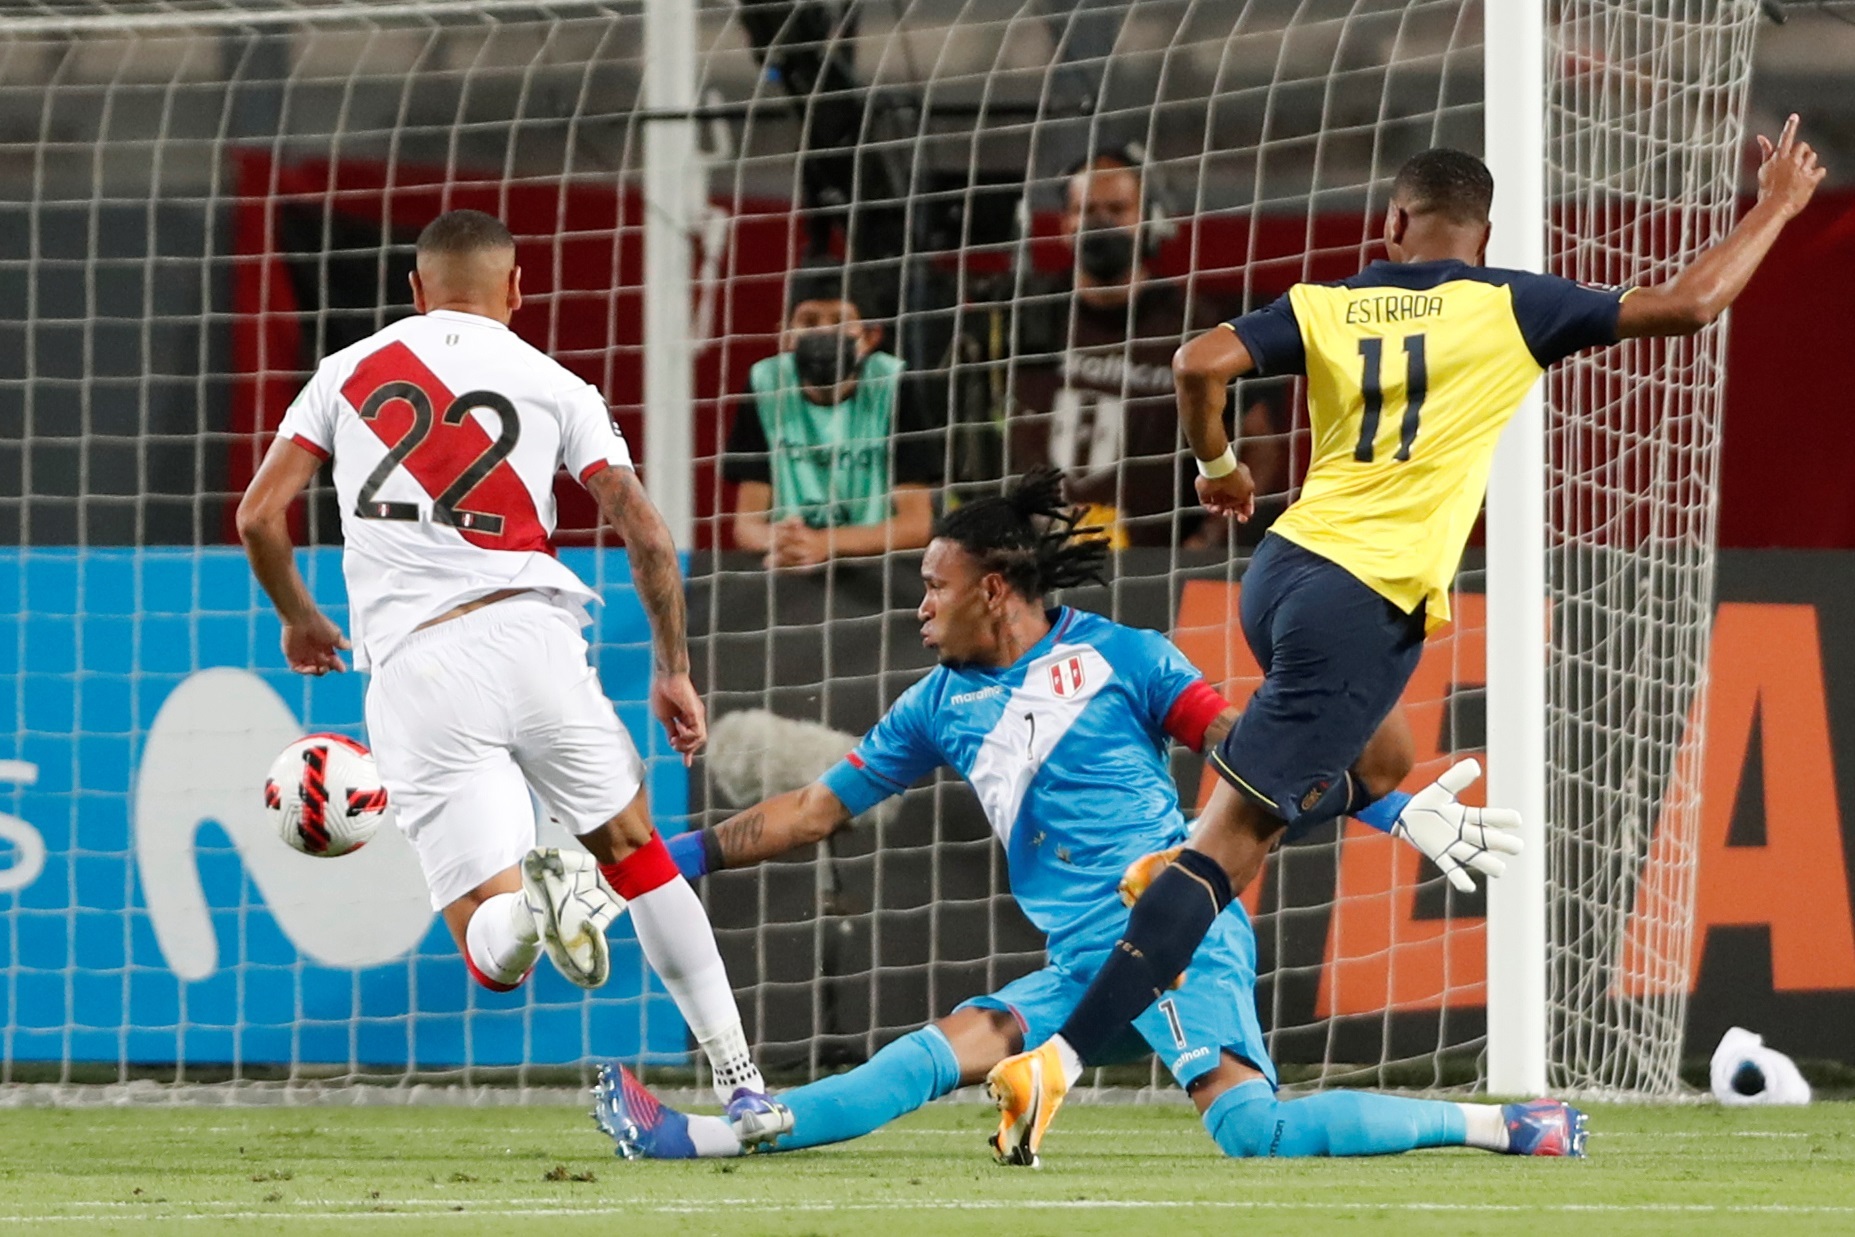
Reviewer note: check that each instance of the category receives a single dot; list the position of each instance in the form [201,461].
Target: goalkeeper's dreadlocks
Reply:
[991,563]
[1029,536]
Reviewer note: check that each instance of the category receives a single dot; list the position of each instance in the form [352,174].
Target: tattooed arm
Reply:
[768,830]
[659,584]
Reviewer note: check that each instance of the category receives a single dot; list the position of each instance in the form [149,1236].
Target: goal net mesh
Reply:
[1645,136]
[199,198]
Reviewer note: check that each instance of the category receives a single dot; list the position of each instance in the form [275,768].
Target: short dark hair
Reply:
[1029,536]
[1450,183]
[832,281]
[457,233]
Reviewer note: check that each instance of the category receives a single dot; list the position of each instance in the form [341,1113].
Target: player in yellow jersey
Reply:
[1413,366]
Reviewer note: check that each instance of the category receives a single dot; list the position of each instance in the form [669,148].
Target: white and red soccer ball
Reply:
[324,795]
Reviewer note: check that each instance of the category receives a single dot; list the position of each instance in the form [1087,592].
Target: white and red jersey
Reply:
[446,430]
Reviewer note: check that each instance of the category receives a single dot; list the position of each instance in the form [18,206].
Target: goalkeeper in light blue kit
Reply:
[1060,721]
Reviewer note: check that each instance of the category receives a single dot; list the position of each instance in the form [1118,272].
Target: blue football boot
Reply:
[638,1124]
[1544,1127]
[758,1119]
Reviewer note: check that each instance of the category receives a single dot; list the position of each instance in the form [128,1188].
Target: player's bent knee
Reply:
[980,1038]
[1384,772]
[1237,834]
[1245,1121]
[1388,758]
[494,985]
[1230,1072]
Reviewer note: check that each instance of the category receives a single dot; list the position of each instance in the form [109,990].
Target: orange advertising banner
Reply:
[1773,925]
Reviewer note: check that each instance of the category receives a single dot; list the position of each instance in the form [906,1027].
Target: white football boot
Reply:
[572,906]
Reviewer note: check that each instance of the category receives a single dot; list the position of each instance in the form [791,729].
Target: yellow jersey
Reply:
[1412,369]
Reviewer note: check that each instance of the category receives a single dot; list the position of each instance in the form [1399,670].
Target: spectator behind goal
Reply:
[1075,372]
[829,444]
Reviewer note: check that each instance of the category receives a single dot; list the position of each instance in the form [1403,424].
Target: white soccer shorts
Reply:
[465,717]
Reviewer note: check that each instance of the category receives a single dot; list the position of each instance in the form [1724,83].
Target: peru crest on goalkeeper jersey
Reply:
[446,430]
[1066,749]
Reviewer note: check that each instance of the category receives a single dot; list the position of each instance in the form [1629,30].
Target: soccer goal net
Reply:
[200,198]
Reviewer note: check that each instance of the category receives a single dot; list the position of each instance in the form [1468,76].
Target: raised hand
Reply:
[1787,173]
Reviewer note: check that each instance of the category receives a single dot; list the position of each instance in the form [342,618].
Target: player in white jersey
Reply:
[446,432]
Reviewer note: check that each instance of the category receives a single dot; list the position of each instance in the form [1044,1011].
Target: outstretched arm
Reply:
[312,644]
[1787,176]
[781,824]
[659,584]
[765,831]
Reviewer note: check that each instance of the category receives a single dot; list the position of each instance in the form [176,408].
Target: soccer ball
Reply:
[324,795]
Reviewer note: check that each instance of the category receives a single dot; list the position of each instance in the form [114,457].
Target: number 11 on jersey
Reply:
[1416,386]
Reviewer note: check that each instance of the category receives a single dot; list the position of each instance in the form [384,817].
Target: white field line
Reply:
[1185,1129]
[348,1211]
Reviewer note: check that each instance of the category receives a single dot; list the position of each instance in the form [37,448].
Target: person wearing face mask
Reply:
[1090,389]
[829,448]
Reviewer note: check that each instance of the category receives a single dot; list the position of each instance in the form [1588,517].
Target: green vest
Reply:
[830,465]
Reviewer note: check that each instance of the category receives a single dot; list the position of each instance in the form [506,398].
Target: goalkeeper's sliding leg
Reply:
[1206,1032]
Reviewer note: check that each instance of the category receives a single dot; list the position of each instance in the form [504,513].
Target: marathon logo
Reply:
[1185,1058]
[973,697]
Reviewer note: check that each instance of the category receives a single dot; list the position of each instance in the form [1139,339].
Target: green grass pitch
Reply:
[1108,1169]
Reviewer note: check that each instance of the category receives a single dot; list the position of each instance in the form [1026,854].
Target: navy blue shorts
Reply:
[1335,658]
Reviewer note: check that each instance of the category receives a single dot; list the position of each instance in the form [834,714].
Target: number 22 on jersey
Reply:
[432,436]
[1371,386]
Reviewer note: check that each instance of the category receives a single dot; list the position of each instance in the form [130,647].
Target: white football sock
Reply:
[1072,1064]
[714,1138]
[502,938]
[680,946]
[1486,1129]
[730,1062]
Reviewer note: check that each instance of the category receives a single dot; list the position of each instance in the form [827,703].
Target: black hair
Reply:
[829,281]
[457,233]
[1450,183]
[1029,536]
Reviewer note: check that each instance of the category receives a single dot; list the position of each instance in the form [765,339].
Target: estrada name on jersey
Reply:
[446,430]
[1412,369]
[1066,749]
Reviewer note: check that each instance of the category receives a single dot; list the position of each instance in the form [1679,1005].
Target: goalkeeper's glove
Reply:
[1451,835]
[1140,873]
[1454,836]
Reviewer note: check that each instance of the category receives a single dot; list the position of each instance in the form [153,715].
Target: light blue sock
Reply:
[901,1078]
[1248,1120]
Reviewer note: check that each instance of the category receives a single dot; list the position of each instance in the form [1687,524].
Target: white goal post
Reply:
[1514,125]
